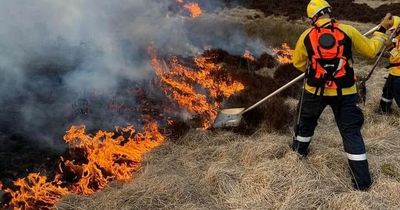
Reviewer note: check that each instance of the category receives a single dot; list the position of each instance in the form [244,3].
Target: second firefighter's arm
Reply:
[368,47]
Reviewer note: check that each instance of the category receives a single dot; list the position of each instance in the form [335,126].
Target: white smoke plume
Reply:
[55,54]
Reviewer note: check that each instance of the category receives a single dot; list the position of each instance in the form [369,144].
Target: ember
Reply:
[247,54]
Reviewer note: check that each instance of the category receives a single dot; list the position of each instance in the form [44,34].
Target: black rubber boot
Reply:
[385,107]
[300,147]
[361,177]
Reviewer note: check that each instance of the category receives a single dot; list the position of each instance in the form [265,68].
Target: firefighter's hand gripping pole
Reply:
[232,117]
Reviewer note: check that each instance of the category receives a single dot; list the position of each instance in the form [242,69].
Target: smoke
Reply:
[62,61]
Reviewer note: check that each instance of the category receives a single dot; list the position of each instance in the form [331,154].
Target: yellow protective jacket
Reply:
[365,46]
[395,59]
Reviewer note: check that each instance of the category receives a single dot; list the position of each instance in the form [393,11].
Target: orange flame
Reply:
[109,156]
[35,192]
[194,8]
[178,83]
[247,54]
[284,54]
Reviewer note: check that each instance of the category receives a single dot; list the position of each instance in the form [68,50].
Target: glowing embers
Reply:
[284,54]
[193,8]
[198,88]
[94,161]
[247,54]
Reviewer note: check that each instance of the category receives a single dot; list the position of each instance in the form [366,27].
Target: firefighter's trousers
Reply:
[349,119]
[391,91]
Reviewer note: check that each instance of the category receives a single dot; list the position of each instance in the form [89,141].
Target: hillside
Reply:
[225,170]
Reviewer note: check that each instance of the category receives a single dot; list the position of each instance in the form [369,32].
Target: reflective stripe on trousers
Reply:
[354,157]
[303,139]
[386,100]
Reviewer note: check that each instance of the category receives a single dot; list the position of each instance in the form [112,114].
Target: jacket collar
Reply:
[322,21]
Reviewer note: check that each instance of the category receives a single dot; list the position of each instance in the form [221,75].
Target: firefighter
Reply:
[324,52]
[391,90]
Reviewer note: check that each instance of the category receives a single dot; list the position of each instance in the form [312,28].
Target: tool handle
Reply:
[372,30]
[275,93]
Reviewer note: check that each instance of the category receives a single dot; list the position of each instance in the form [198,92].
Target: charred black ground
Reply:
[343,9]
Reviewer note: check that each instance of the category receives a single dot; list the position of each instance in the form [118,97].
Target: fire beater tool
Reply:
[232,117]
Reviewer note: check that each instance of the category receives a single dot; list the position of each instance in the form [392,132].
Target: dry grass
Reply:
[221,170]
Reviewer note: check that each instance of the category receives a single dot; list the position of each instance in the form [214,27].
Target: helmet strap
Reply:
[325,11]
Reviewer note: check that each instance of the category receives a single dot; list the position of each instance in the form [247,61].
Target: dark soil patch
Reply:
[342,9]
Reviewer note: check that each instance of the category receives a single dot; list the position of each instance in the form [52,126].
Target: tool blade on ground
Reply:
[228,118]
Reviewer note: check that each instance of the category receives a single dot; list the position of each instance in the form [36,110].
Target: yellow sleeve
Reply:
[365,46]
[300,57]
[395,53]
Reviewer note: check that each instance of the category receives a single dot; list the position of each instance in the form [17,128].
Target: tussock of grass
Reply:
[391,170]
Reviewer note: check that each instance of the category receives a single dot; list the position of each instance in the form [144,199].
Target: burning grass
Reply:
[178,82]
[193,8]
[93,162]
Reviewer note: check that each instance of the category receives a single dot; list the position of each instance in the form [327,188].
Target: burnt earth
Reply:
[18,156]
[342,9]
